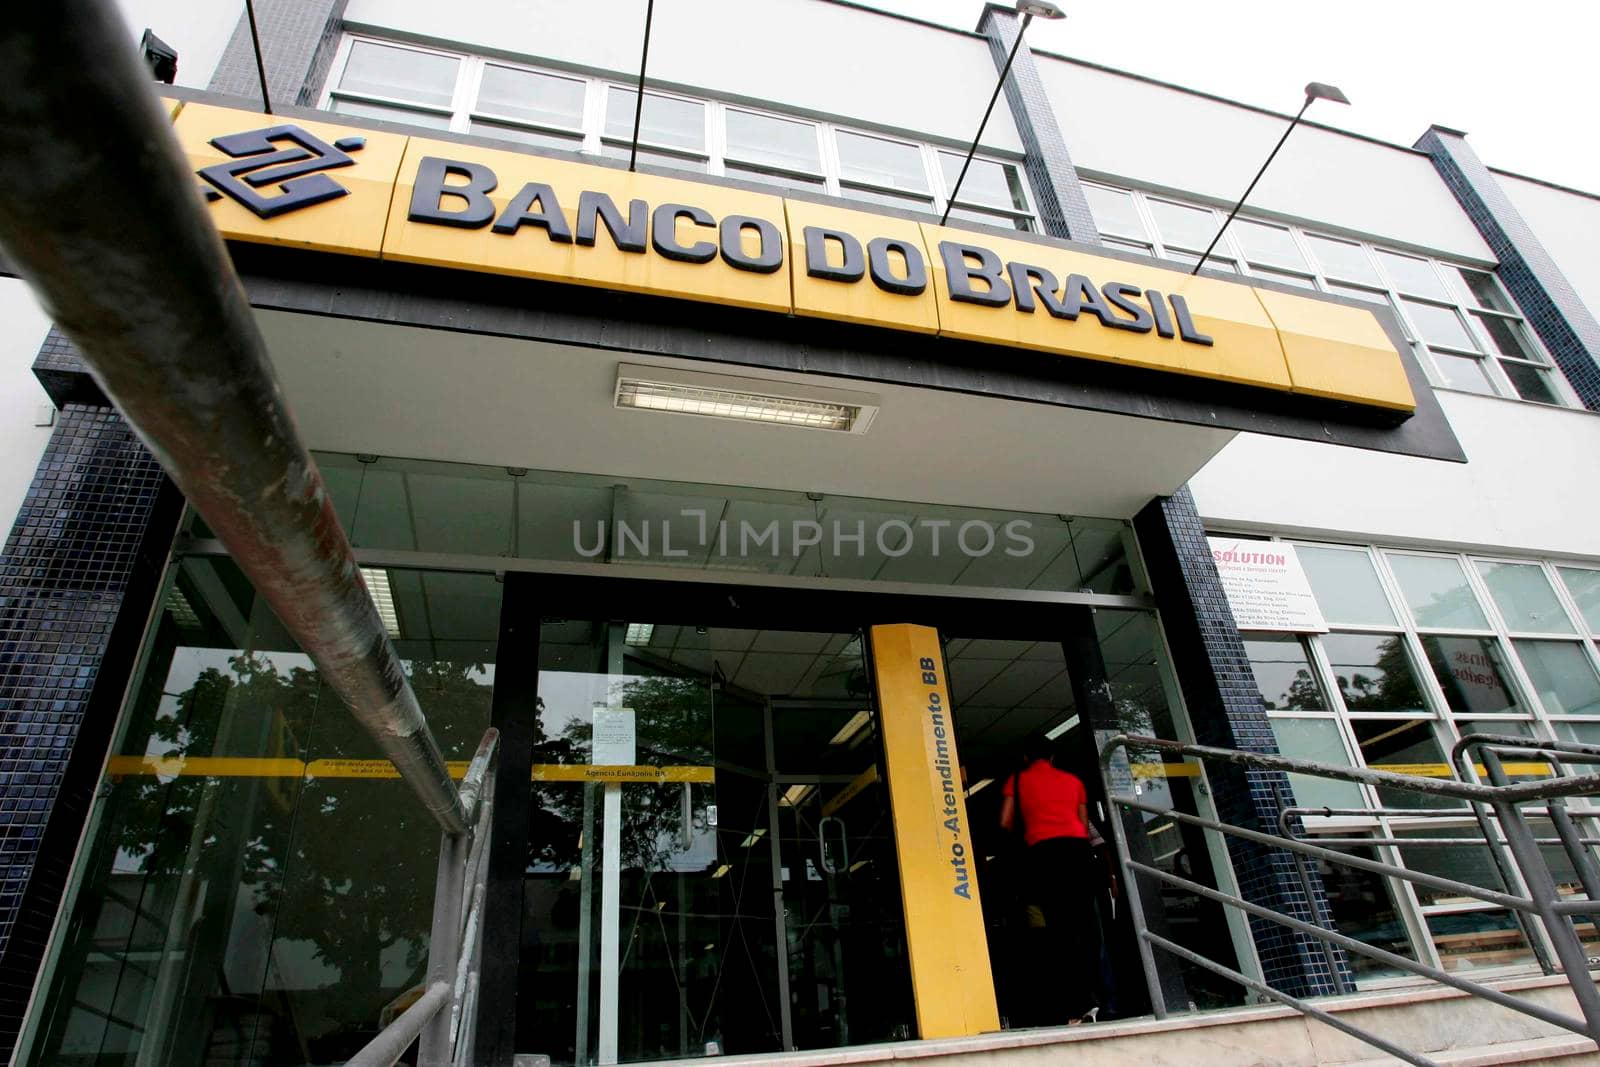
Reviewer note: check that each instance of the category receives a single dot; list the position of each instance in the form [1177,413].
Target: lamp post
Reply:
[1314,91]
[1027,9]
[638,100]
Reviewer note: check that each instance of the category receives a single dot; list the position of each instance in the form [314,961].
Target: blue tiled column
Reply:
[1063,209]
[298,40]
[1554,310]
[1219,687]
[77,578]
[1226,711]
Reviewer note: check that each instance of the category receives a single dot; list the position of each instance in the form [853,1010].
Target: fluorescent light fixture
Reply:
[753,837]
[639,633]
[851,728]
[973,790]
[795,795]
[722,396]
[1056,731]
[377,580]
[720,871]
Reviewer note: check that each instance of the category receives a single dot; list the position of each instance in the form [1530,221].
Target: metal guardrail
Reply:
[441,1018]
[1498,801]
[99,215]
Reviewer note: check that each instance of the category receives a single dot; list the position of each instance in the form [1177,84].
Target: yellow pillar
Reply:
[950,976]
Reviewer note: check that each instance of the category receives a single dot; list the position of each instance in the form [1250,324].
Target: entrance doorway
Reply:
[727,880]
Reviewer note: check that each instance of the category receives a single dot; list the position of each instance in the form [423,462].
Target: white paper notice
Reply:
[613,741]
[1266,587]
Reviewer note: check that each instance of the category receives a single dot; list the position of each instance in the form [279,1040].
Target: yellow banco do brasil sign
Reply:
[411,199]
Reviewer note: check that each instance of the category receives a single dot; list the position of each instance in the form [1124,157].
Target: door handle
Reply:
[826,856]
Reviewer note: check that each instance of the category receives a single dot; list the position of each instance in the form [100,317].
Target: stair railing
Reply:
[442,1019]
[1501,800]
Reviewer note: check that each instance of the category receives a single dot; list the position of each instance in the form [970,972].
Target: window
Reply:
[1423,649]
[1459,319]
[765,148]
[383,81]
[1301,716]
[575,113]
[525,105]
[991,193]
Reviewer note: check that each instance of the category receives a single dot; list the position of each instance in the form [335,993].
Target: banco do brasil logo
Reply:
[278,169]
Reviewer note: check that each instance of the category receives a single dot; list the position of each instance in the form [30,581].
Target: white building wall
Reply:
[824,59]
[1126,129]
[22,398]
[1567,223]
[198,31]
[1526,487]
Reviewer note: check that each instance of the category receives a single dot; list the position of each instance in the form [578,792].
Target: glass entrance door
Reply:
[838,889]
[710,864]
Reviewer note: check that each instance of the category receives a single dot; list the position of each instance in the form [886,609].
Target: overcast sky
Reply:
[1519,78]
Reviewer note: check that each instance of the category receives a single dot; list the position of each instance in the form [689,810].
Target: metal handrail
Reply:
[441,1020]
[1501,798]
[99,215]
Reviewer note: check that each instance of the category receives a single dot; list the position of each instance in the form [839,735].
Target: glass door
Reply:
[710,863]
[843,925]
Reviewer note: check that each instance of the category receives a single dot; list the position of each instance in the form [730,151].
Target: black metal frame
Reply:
[1502,797]
[529,598]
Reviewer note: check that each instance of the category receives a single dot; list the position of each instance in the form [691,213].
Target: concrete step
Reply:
[1448,1026]
[1565,1051]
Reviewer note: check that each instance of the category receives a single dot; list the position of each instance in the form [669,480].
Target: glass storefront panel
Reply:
[1466,934]
[416,505]
[1364,908]
[1373,672]
[1346,585]
[750,901]
[1473,674]
[1562,676]
[1145,703]
[256,886]
[1403,746]
[1316,739]
[1284,673]
[1437,592]
[1524,597]
[1584,585]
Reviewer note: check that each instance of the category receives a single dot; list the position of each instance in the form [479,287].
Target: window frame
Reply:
[1445,725]
[590,138]
[1461,301]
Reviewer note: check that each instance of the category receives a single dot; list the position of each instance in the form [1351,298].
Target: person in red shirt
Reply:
[1060,876]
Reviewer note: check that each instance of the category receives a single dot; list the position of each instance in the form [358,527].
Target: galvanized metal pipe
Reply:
[1361,948]
[100,213]
[1438,787]
[391,1042]
[1301,1006]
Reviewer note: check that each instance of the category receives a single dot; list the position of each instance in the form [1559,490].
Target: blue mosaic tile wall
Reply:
[76,581]
[1063,209]
[1226,711]
[298,39]
[1219,686]
[1553,308]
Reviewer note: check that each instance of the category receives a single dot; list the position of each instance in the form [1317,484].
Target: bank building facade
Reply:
[535,572]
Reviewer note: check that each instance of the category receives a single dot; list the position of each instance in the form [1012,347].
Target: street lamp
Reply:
[1027,9]
[1314,91]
